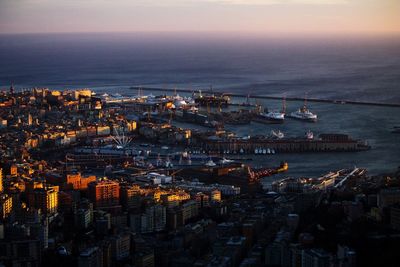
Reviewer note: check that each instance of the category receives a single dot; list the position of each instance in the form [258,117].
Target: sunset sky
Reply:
[258,16]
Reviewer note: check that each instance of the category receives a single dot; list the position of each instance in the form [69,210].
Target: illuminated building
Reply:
[14,170]
[6,204]
[173,199]
[77,182]
[104,193]
[44,198]
[215,195]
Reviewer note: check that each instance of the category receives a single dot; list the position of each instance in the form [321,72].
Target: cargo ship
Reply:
[216,100]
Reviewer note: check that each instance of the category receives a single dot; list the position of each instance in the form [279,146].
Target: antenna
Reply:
[305,99]
[284,103]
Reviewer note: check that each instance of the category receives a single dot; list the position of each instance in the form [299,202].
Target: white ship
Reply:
[274,116]
[210,163]
[304,113]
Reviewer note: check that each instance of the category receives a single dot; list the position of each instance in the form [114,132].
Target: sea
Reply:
[356,68]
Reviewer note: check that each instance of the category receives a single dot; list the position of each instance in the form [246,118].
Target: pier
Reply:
[331,143]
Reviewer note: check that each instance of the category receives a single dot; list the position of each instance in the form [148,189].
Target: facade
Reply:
[6,204]
[104,193]
[91,257]
[44,198]
[387,197]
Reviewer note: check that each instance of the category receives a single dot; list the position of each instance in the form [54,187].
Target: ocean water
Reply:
[352,68]
[346,68]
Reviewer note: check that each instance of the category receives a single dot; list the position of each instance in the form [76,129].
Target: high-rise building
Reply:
[315,258]
[78,182]
[189,210]
[130,197]
[44,198]
[387,197]
[91,257]
[154,219]
[121,246]
[6,204]
[104,193]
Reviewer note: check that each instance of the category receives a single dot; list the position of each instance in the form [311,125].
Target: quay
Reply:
[326,143]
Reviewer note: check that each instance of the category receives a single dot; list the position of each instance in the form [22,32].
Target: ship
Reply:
[304,113]
[272,116]
[256,174]
[213,99]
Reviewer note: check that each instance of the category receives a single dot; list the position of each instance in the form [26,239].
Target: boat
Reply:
[268,151]
[304,113]
[210,163]
[273,116]
[277,135]
[225,161]
[309,135]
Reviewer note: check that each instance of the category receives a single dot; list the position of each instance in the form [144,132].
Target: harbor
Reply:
[353,122]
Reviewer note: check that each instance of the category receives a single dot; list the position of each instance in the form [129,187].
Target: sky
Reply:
[253,16]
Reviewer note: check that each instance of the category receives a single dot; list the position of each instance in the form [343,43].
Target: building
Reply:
[173,199]
[104,193]
[215,195]
[387,197]
[189,210]
[6,204]
[83,218]
[130,197]
[395,217]
[144,259]
[154,219]
[1,180]
[25,252]
[91,257]
[315,258]
[76,181]
[44,198]
[121,246]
